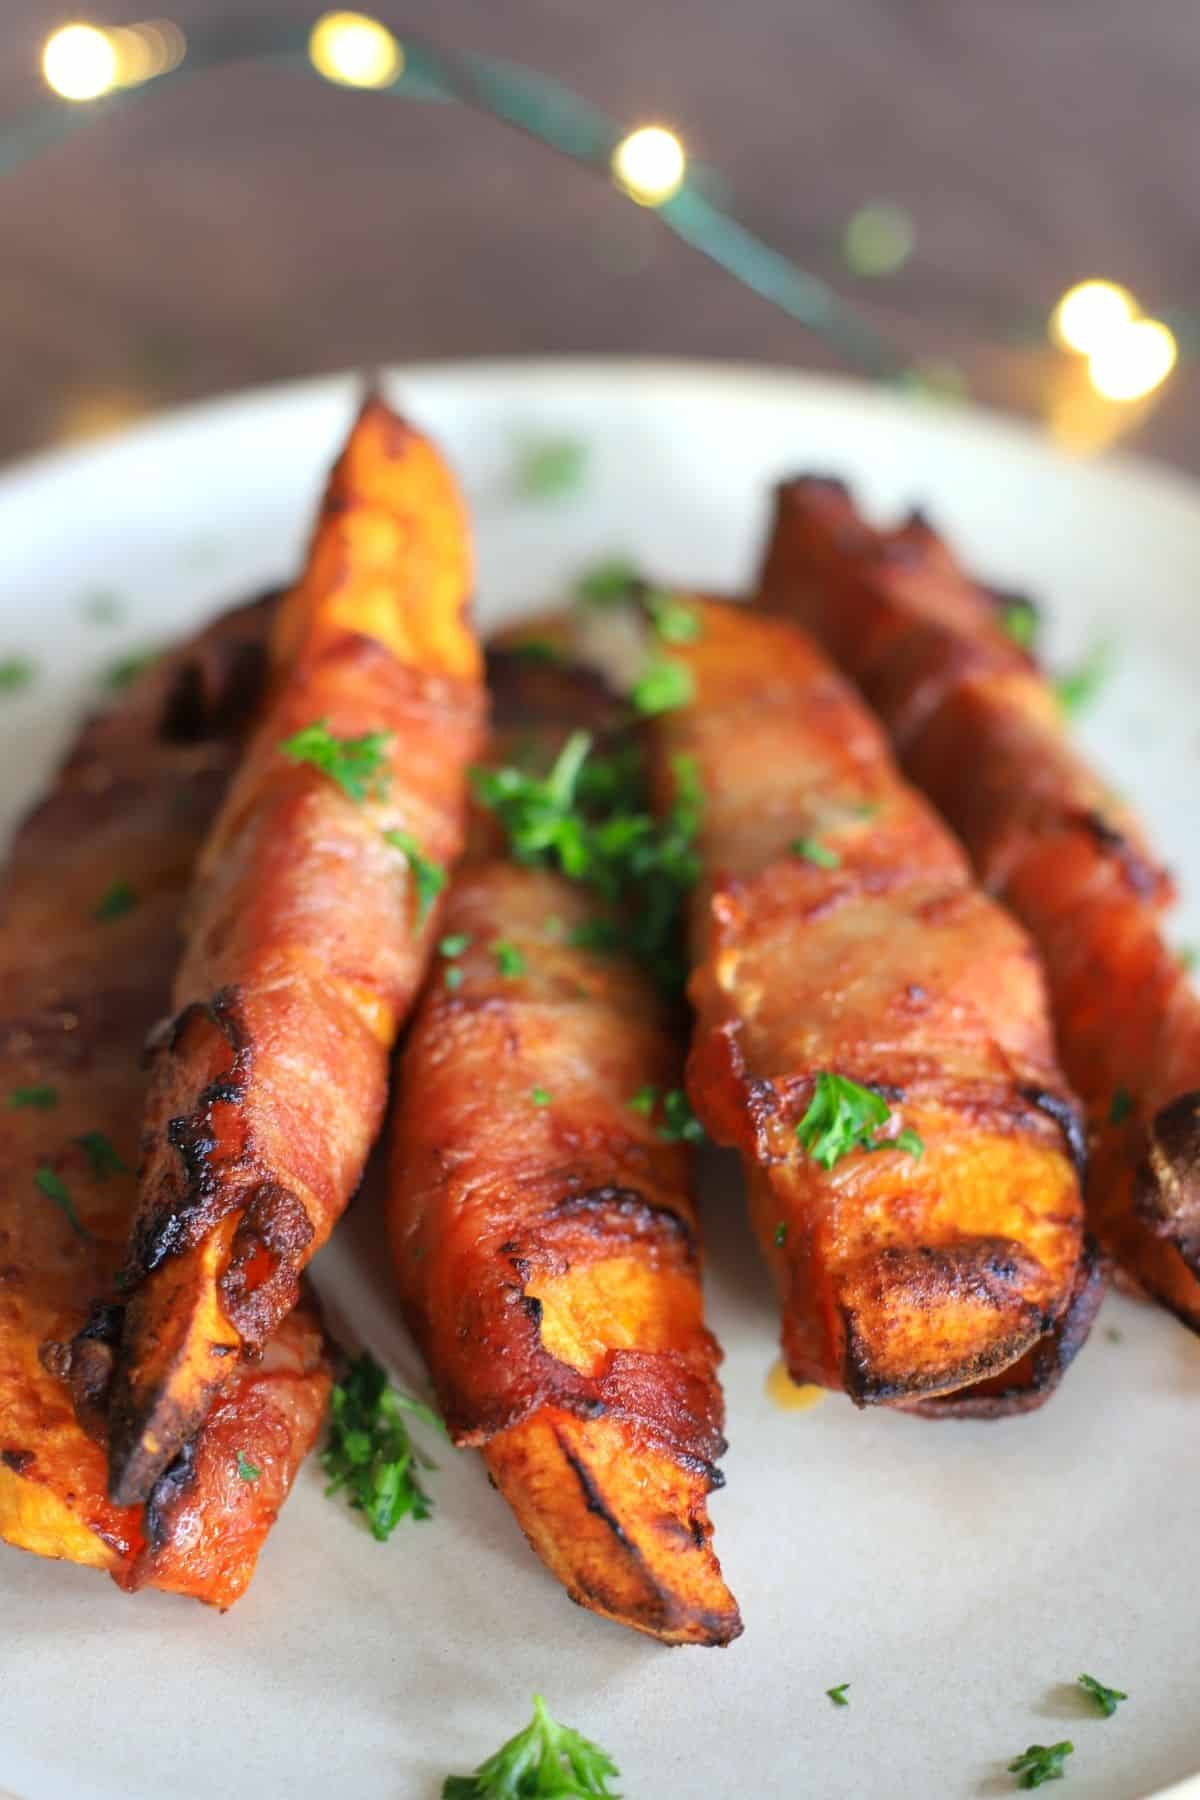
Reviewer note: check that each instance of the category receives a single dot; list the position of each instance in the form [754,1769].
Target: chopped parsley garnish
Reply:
[546,1760]
[16,672]
[453,978]
[454,943]
[247,1471]
[673,619]
[644,1101]
[781,1233]
[103,1160]
[1187,955]
[1113,1335]
[843,1116]
[538,650]
[608,583]
[550,468]
[680,1124]
[370,1452]
[38,1097]
[1120,1106]
[540,1096]
[508,959]
[812,850]
[53,1186]
[355,764]
[429,878]
[838,1694]
[588,817]
[116,900]
[1041,1762]
[1106,1698]
[1019,619]
[122,673]
[1077,688]
[663,686]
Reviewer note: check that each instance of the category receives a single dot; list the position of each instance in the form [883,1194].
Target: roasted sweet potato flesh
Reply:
[305,941]
[979,730]
[132,805]
[545,1243]
[879,961]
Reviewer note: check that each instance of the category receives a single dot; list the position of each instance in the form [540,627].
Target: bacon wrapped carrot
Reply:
[544,1234]
[87,946]
[309,926]
[980,729]
[871,1034]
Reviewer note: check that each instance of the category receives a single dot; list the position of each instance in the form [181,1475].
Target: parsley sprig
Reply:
[1040,1763]
[1106,1698]
[355,764]
[39,1096]
[547,1760]
[1077,688]
[370,1452]
[102,1157]
[429,878]
[843,1116]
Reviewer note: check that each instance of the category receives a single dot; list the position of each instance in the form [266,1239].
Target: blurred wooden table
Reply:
[252,225]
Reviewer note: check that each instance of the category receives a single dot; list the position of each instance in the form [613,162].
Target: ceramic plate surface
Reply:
[958,1576]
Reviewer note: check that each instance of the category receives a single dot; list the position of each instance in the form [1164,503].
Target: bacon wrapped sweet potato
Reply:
[980,730]
[545,1239]
[308,930]
[871,1034]
[88,942]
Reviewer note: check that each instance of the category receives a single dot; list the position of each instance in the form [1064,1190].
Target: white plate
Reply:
[959,1576]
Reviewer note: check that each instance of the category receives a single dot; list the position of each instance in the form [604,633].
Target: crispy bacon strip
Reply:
[306,941]
[876,960]
[980,730]
[546,1243]
[132,805]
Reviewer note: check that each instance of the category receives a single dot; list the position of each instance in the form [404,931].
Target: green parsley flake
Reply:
[124,672]
[812,850]
[1019,619]
[103,1160]
[508,959]
[1187,955]
[540,1096]
[663,686]
[673,619]
[538,650]
[1120,1107]
[247,1471]
[1106,1698]
[38,1098]
[551,468]
[1040,1763]
[843,1116]
[116,900]
[1077,688]
[680,1124]
[781,1233]
[370,1452]
[355,764]
[838,1694]
[644,1101]
[16,672]
[429,878]
[609,583]
[454,943]
[453,978]
[547,1759]
[53,1186]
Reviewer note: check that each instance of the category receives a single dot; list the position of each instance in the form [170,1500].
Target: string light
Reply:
[145,51]
[649,165]
[1133,360]
[80,62]
[1089,313]
[357,51]
[879,239]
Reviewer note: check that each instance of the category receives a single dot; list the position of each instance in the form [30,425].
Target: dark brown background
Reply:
[254,224]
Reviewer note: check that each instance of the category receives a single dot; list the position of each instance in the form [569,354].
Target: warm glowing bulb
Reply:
[1089,313]
[1132,361]
[355,50]
[80,63]
[649,165]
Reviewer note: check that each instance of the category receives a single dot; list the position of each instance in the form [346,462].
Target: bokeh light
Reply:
[1131,361]
[878,240]
[80,62]
[1088,313]
[650,165]
[355,50]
